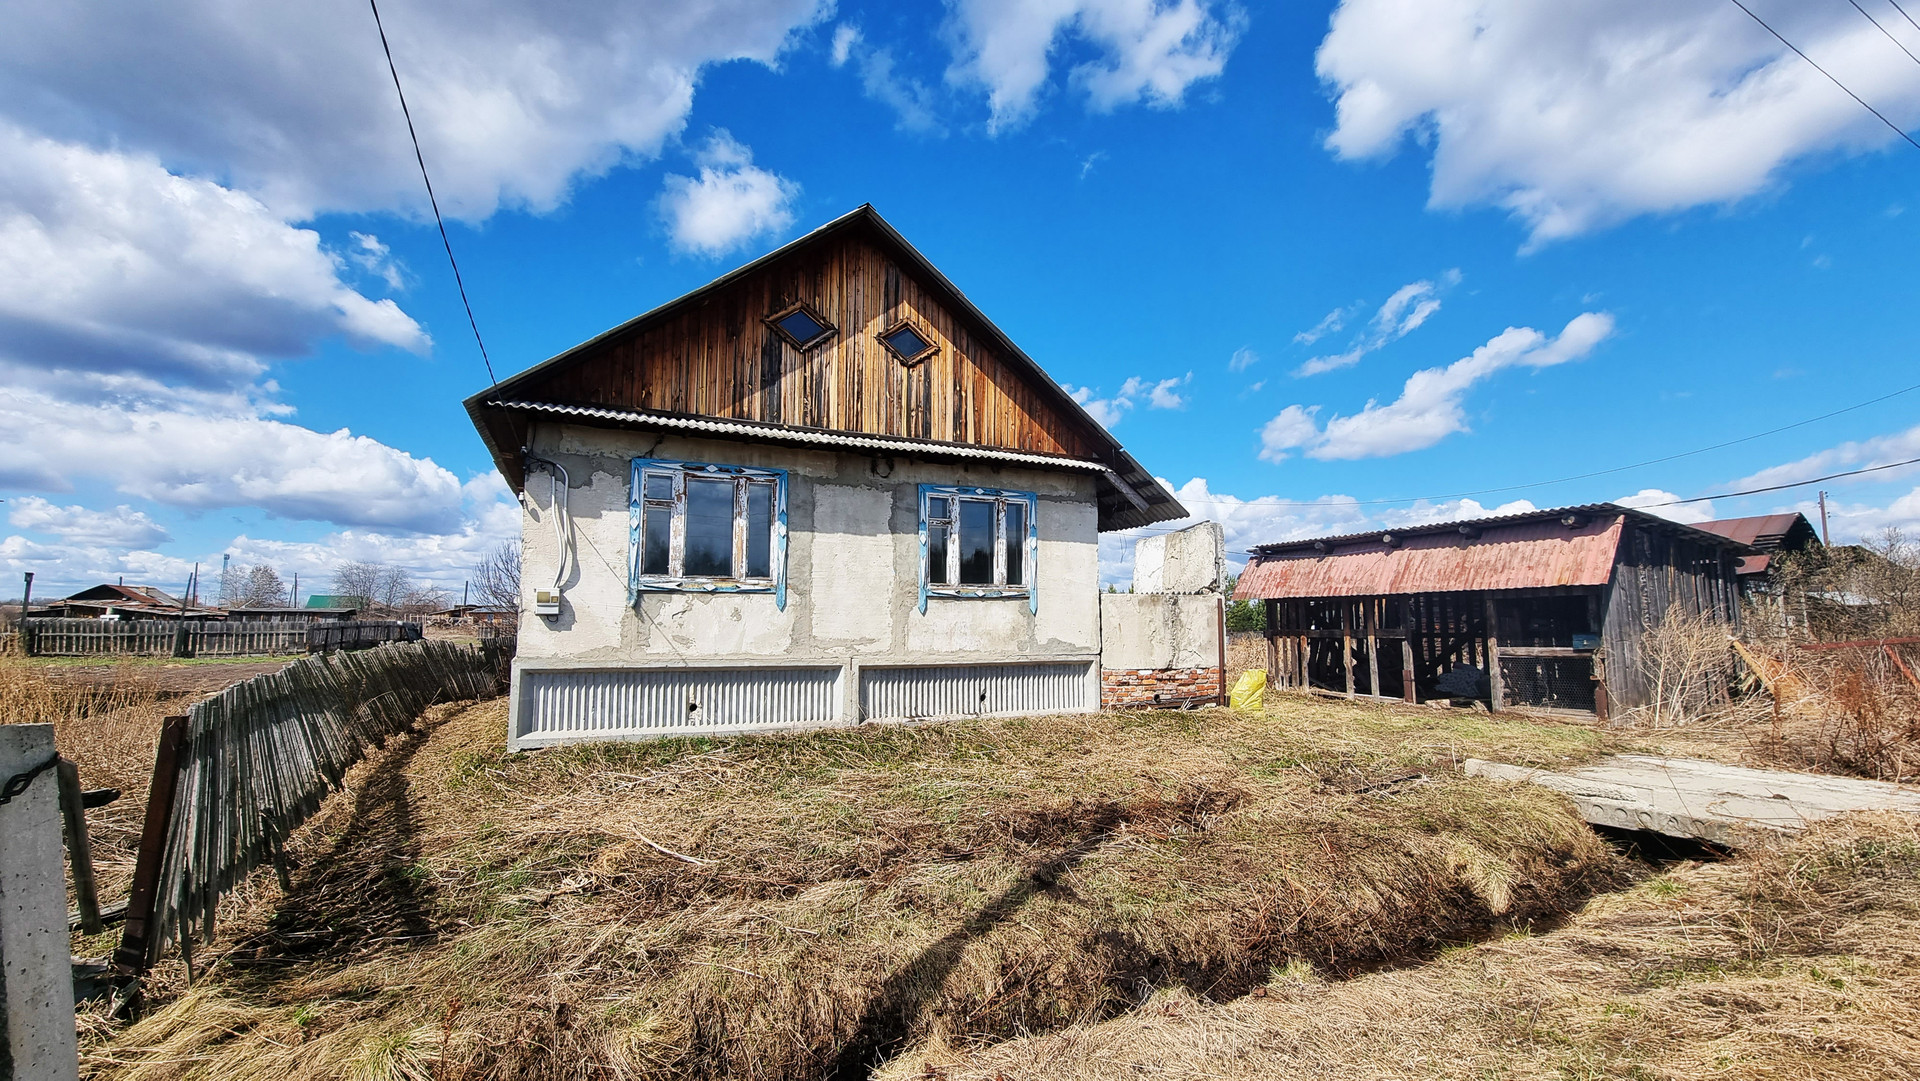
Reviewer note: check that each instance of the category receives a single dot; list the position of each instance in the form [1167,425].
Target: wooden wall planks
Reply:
[719,359]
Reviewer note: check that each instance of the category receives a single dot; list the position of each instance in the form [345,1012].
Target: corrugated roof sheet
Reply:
[1762,530]
[1524,555]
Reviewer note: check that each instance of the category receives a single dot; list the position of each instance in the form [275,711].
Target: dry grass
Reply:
[799,906]
[109,727]
[1793,963]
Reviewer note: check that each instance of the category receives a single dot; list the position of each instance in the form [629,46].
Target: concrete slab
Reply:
[1685,797]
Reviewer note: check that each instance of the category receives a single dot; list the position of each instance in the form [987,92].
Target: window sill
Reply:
[702,585]
[979,593]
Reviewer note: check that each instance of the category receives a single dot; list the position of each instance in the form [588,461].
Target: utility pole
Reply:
[296,590]
[28,598]
[1825,541]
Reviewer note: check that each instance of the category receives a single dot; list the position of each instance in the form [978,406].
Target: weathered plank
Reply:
[1685,797]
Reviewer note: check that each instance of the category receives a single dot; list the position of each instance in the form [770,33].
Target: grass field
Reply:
[802,906]
[1178,892]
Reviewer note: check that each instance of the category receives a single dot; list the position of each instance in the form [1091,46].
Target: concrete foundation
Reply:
[1158,688]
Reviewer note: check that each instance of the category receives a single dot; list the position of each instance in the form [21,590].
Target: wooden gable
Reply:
[713,354]
[720,358]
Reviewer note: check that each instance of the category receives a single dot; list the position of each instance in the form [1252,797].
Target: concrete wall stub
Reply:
[1193,560]
[1159,630]
[36,973]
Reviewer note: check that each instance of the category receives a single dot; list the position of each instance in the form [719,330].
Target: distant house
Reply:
[310,613]
[109,601]
[1546,609]
[1772,534]
[821,489]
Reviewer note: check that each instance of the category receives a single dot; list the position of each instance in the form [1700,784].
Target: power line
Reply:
[1884,30]
[1577,476]
[431,200]
[1903,14]
[1897,129]
[1780,487]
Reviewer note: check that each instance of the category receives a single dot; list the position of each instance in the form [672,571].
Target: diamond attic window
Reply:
[802,327]
[906,343]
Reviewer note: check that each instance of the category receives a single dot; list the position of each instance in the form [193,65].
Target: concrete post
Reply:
[36,974]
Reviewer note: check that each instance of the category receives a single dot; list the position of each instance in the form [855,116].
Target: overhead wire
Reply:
[1884,30]
[1781,487]
[432,201]
[1897,129]
[1903,14]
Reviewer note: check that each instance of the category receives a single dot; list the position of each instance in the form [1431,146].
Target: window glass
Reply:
[658,527]
[803,328]
[976,543]
[939,507]
[709,545]
[759,530]
[906,342]
[659,486]
[1016,542]
[937,554]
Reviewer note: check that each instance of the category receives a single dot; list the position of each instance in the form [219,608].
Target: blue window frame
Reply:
[698,527]
[978,543]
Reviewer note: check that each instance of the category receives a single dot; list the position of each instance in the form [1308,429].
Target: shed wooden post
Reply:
[1371,610]
[1407,689]
[1271,609]
[1496,696]
[1346,643]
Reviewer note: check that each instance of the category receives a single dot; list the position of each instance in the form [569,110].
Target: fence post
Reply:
[137,946]
[79,847]
[36,985]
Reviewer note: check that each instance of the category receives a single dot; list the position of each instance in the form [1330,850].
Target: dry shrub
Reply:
[1689,666]
[1798,962]
[1854,710]
[793,907]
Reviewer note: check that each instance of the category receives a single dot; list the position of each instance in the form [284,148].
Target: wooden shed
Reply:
[1545,610]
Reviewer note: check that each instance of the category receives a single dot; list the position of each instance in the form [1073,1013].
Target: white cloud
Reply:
[1144,50]
[1575,115]
[121,527]
[1894,447]
[1242,359]
[292,102]
[111,267]
[913,101]
[729,203]
[1398,316]
[1684,513]
[198,460]
[1430,405]
[1332,323]
[1161,394]
[60,569]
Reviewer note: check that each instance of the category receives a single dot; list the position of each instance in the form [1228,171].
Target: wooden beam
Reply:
[1496,699]
[79,847]
[1346,642]
[1408,688]
[137,946]
[1370,608]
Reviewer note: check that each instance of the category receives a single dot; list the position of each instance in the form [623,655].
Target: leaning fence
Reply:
[247,766]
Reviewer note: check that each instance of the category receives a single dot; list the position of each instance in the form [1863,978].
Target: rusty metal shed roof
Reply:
[1535,550]
[1768,532]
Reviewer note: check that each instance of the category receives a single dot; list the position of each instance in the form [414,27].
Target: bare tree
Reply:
[386,586]
[496,579]
[252,587]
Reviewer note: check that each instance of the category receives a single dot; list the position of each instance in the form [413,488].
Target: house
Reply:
[1547,609]
[1772,535]
[112,601]
[309,613]
[334,603]
[821,489]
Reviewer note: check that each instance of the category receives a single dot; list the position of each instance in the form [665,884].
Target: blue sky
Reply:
[1300,258]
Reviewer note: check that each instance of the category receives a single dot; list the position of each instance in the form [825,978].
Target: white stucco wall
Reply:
[852,569]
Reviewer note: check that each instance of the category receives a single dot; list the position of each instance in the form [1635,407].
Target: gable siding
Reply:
[719,359]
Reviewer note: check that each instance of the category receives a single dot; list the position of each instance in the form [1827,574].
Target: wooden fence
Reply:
[246,767]
[160,637]
[359,634]
[195,638]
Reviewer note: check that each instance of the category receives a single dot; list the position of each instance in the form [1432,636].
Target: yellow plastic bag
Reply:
[1250,690]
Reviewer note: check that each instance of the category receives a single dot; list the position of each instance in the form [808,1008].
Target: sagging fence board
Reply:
[252,763]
